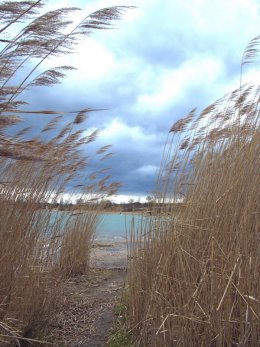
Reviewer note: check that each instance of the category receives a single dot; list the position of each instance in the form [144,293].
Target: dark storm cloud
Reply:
[164,59]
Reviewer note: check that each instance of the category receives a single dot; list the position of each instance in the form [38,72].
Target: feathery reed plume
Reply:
[251,51]
[195,266]
[39,246]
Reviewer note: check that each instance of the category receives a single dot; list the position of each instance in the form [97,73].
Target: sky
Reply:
[162,59]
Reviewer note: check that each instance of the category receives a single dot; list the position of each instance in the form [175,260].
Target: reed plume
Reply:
[38,247]
[194,269]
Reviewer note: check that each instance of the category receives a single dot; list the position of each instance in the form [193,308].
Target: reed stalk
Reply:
[194,274]
[38,246]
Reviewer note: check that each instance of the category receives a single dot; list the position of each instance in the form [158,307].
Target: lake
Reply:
[115,226]
[112,226]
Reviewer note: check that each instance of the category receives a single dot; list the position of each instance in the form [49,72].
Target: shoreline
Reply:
[109,254]
[111,212]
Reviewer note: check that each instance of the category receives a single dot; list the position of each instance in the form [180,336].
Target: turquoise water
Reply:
[112,226]
[117,226]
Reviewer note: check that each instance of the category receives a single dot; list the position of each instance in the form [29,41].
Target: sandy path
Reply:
[86,317]
[108,254]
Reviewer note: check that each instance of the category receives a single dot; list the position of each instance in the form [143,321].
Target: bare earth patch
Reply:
[86,316]
[109,255]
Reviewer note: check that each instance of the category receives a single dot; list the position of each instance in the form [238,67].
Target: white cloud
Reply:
[124,198]
[163,59]
[172,84]
[147,170]
[93,61]
[120,132]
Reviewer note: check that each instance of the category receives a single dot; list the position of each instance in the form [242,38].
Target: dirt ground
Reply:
[86,316]
[109,255]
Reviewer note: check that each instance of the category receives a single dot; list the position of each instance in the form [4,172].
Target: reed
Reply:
[194,271]
[39,247]
[77,241]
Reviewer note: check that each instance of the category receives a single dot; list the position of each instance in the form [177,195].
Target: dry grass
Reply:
[39,247]
[194,274]
[76,244]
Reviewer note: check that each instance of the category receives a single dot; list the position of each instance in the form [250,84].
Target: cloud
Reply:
[173,84]
[164,59]
[119,131]
[135,150]
[147,170]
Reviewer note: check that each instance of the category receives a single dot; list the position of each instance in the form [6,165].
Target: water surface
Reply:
[112,226]
[115,226]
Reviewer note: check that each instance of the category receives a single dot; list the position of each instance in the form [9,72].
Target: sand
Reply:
[109,254]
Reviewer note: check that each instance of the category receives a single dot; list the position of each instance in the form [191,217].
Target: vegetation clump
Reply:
[120,336]
[194,273]
[38,247]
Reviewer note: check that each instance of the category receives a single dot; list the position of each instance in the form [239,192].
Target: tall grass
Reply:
[76,244]
[194,274]
[38,247]
[28,287]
